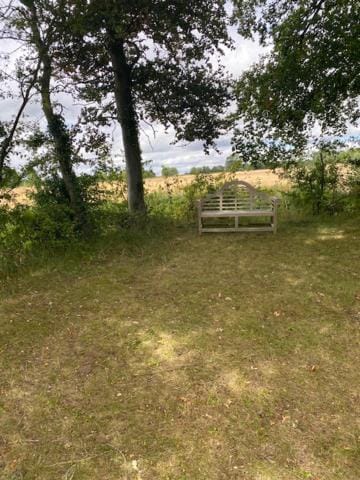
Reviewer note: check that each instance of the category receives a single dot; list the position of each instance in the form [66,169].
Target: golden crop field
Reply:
[258,178]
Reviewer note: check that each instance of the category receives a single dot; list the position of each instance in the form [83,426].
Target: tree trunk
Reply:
[63,147]
[56,124]
[127,118]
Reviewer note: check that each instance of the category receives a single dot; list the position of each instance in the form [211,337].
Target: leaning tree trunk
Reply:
[56,124]
[63,147]
[127,118]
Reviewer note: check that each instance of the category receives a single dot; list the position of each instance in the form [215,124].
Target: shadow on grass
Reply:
[185,357]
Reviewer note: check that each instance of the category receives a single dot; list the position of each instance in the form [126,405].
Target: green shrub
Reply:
[161,205]
[29,230]
[48,224]
[322,185]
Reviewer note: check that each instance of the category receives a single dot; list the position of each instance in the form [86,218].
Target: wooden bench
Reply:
[234,200]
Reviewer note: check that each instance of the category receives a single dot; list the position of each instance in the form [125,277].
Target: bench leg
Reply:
[274,224]
[237,222]
[199,222]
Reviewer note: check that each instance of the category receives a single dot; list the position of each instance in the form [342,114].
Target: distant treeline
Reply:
[215,169]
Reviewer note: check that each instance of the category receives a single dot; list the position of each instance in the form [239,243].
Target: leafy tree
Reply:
[26,83]
[149,173]
[206,169]
[234,163]
[320,181]
[311,75]
[150,61]
[197,170]
[218,168]
[31,22]
[169,171]
[37,27]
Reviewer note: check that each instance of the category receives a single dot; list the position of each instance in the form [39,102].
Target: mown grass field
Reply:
[172,356]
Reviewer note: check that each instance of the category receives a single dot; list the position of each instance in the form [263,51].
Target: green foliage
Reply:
[169,171]
[200,186]
[239,162]
[161,205]
[180,205]
[48,223]
[205,169]
[174,82]
[10,178]
[27,231]
[111,173]
[349,156]
[309,76]
[51,191]
[324,185]
[149,173]
[234,163]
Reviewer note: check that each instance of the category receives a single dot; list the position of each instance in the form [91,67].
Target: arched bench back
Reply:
[236,195]
[234,200]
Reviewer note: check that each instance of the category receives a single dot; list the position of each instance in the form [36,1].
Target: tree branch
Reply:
[7,143]
[317,10]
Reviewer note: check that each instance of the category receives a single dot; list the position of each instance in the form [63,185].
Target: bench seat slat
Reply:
[239,229]
[237,213]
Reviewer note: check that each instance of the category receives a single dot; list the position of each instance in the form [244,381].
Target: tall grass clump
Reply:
[179,204]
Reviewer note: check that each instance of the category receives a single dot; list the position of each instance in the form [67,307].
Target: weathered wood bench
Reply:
[234,200]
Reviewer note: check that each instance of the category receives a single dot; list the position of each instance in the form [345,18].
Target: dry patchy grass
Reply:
[186,358]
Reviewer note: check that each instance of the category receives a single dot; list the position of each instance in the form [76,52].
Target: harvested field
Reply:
[258,178]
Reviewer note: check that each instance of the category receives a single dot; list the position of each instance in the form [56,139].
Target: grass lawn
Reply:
[183,357]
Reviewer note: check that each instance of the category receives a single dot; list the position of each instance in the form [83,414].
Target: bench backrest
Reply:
[236,195]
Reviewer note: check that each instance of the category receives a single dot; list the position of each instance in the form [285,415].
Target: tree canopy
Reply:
[149,61]
[143,62]
[130,62]
[169,171]
[310,77]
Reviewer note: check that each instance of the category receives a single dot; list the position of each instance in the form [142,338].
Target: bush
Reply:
[322,185]
[48,223]
[28,230]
